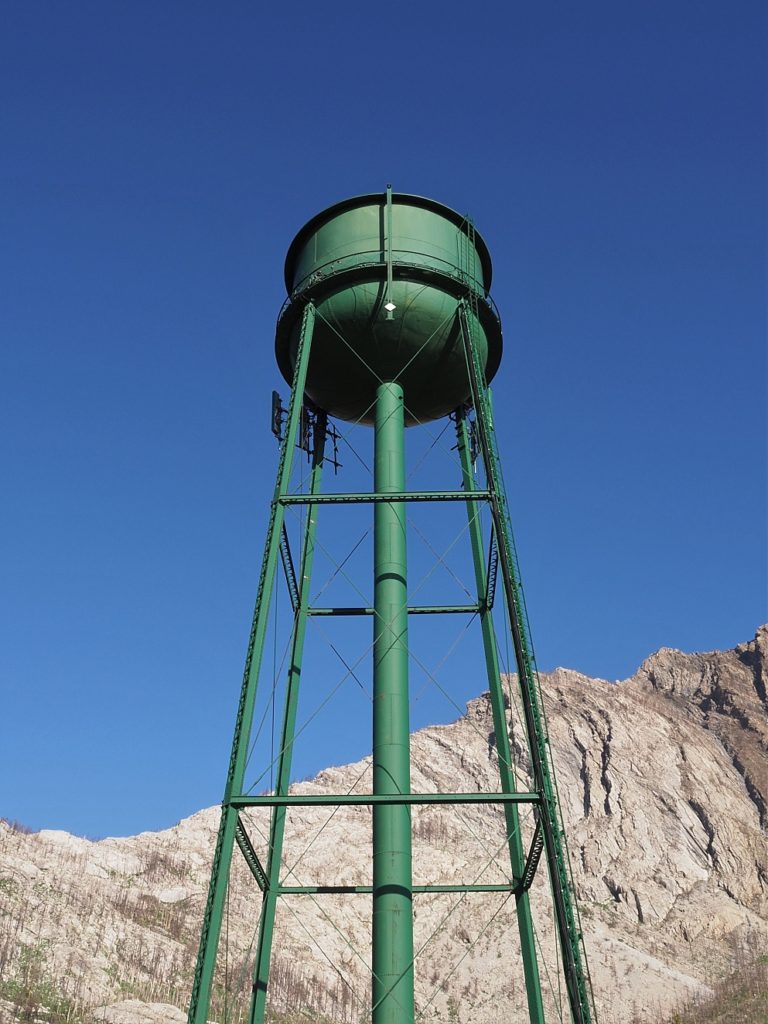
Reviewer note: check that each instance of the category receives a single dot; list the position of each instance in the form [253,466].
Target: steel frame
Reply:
[548,835]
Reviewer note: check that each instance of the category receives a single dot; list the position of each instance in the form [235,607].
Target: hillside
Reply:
[739,998]
[664,788]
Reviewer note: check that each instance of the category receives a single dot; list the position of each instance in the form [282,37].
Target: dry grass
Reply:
[741,998]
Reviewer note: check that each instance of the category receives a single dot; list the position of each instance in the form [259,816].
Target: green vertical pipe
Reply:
[285,756]
[507,777]
[392,964]
[222,858]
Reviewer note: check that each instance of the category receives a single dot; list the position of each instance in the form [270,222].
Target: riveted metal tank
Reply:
[386,273]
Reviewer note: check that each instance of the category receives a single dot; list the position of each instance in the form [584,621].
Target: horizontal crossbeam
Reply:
[367,799]
[420,609]
[307,890]
[373,498]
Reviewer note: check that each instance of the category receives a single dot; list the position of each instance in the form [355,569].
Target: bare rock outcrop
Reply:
[663,786]
[725,693]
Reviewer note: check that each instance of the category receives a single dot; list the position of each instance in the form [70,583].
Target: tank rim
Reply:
[424,202]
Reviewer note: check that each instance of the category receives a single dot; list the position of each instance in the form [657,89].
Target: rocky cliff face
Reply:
[663,783]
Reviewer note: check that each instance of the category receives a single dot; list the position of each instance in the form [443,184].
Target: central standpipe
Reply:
[392,878]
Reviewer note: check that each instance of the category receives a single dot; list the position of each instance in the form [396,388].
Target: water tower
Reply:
[389,323]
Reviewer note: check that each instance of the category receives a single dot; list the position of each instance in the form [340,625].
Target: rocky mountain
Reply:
[663,781]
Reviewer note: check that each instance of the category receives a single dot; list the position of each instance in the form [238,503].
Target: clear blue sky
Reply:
[156,161]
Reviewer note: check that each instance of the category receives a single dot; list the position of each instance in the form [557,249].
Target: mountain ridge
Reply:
[664,800]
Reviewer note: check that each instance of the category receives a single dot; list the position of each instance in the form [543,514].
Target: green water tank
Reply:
[387,300]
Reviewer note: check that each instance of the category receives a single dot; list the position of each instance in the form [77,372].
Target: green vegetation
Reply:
[150,912]
[8,886]
[33,992]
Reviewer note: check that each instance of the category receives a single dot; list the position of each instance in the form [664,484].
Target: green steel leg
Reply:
[571,941]
[285,757]
[392,961]
[209,939]
[516,852]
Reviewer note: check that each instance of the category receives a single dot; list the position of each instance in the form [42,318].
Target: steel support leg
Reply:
[506,773]
[393,1000]
[571,945]
[209,939]
[285,756]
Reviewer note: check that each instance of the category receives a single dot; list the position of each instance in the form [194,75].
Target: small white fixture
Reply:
[390,306]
